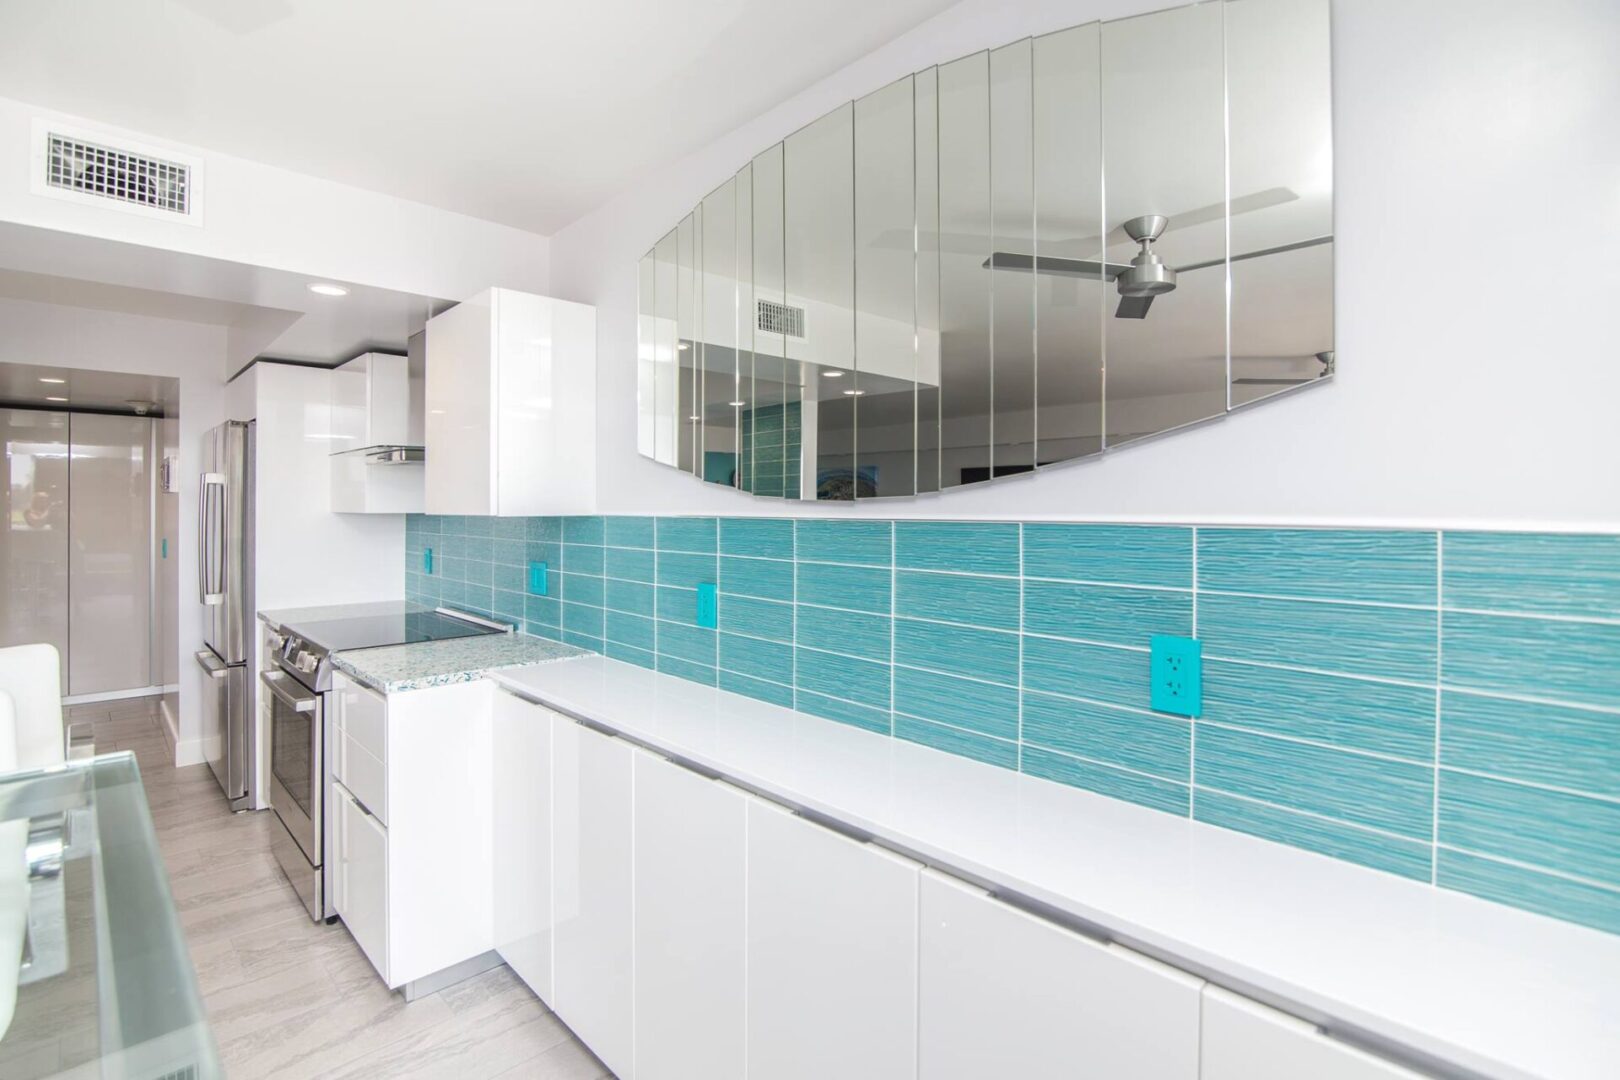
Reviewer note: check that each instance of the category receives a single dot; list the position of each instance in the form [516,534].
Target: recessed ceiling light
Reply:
[736,404]
[53,382]
[683,346]
[831,373]
[853,393]
[325,289]
[56,399]
[694,416]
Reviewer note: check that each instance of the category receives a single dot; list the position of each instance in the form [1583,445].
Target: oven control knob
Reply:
[305,662]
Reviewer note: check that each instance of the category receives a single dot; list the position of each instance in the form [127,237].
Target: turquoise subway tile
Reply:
[845,712]
[628,564]
[1105,613]
[677,605]
[477,548]
[542,610]
[1548,894]
[478,599]
[858,588]
[453,525]
[694,534]
[981,707]
[686,571]
[509,528]
[974,547]
[1374,792]
[768,579]
[582,559]
[509,552]
[955,741]
[866,543]
[756,618]
[760,659]
[421,524]
[766,538]
[685,669]
[549,631]
[1144,742]
[1115,783]
[861,681]
[1555,830]
[545,530]
[1355,714]
[1099,672]
[1385,642]
[1544,573]
[478,526]
[579,588]
[632,596]
[758,689]
[851,633]
[1408,858]
[630,654]
[1379,566]
[582,530]
[478,573]
[627,629]
[452,546]
[451,592]
[450,568]
[960,650]
[589,642]
[1554,745]
[958,598]
[508,606]
[1115,554]
[691,643]
[546,551]
[1546,658]
[582,619]
[629,532]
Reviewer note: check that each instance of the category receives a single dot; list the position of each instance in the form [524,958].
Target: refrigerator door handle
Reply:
[211,544]
[211,665]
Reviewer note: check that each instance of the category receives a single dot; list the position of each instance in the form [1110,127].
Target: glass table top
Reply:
[103,982]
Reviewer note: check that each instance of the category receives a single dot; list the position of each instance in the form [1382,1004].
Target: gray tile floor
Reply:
[288,998]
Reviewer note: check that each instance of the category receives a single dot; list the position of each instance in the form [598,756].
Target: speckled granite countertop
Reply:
[393,668]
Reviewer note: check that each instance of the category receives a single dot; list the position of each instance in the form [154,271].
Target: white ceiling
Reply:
[25,384]
[528,114]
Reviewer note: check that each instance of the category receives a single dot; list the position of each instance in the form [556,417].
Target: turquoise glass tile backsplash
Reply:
[1443,706]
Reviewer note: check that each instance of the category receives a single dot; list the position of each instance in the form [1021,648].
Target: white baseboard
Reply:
[116,695]
[188,752]
[185,751]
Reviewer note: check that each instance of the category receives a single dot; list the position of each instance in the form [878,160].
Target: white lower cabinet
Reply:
[690,918]
[832,953]
[361,882]
[1244,1040]
[522,821]
[1005,993]
[591,890]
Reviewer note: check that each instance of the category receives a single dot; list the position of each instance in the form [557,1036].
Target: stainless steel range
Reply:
[297,681]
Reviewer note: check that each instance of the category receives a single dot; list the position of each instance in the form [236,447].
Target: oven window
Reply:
[291,751]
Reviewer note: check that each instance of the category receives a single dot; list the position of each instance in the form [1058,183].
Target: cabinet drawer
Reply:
[361,880]
[1244,1040]
[359,770]
[363,716]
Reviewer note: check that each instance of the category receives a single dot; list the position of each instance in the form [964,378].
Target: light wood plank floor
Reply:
[289,998]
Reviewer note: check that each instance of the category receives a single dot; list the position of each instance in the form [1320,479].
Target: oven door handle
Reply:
[277,681]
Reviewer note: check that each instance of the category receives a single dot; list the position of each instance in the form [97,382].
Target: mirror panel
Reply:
[646,366]
[1012,229]
[666,396]
[717,355]
[771,428]
[925,131]
[1279,106]
[687,414]
[742,403]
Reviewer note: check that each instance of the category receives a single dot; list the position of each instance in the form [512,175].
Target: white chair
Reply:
[30,674]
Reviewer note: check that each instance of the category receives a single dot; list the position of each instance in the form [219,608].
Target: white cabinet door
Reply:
[460,430]
[690,863]
[1244,1040]
[522,819]
[362,878]
[832,953]
[591,890]
[1007,994]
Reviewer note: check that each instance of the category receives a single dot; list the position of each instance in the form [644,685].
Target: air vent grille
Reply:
[777,318]
[105,171]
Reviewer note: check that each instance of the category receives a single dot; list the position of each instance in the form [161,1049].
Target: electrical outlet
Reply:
[1176,668]
[708,606]
[539,579]
[427,560]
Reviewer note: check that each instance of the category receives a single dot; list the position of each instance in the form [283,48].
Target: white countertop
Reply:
[1497,990]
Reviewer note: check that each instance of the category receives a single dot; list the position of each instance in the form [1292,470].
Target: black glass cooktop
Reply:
[370,631]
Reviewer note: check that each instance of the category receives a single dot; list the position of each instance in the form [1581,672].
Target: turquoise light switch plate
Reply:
[708,608]
[539,579]
[427,560]
[1176,669]
[165,547]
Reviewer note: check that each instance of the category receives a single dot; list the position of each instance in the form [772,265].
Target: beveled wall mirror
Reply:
[1032,254]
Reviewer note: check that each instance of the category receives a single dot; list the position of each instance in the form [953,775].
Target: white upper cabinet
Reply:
[1007,994]
[376,408]
[1244,1040]
[511,406]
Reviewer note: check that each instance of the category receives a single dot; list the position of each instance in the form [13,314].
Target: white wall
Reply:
[58,336]
[1478,226]
[267,216]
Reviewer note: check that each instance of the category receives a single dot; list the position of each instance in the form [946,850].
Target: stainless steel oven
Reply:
[297,717]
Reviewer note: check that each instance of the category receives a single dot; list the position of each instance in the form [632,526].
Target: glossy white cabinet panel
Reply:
[362,485]
[511,406]
[362,713]
[371,403]
[361,881]
[1244,1040]
[592,833]
[1004,993]
[357,769]
[690,919]
[832,953]
[521,808]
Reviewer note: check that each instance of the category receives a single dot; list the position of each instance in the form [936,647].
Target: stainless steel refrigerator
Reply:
[225,589]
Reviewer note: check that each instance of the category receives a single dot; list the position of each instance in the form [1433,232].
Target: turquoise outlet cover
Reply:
[427,560]
[165,547]
[1176,671]
[708,605]
[539,579]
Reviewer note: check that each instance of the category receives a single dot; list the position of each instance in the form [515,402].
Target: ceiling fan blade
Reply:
[1053,264]
[1133,307]
[1279,249]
